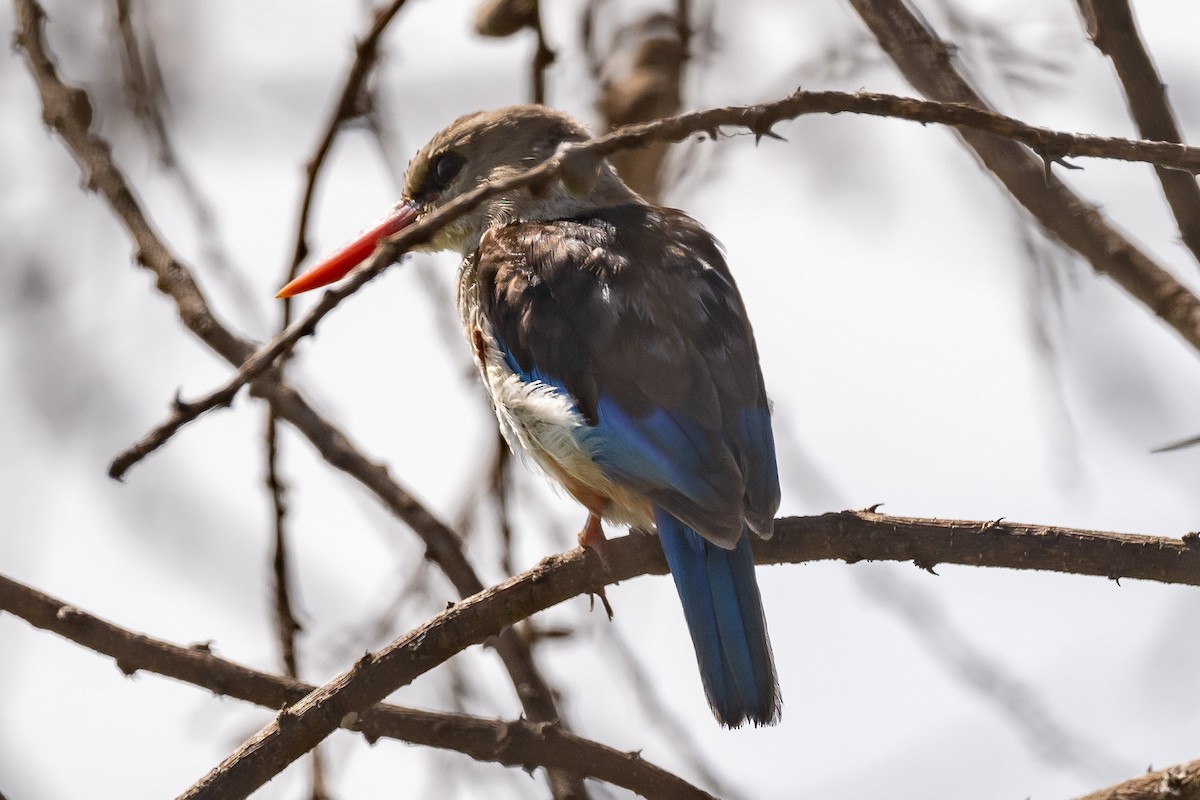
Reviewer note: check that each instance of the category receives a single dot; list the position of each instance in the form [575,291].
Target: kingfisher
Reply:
[619,358]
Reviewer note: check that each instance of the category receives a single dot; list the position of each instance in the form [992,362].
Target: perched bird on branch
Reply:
[619,357]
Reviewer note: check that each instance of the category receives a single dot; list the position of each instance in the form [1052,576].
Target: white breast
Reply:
[538,420]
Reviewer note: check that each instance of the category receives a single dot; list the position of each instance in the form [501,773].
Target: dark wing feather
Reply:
[633,312]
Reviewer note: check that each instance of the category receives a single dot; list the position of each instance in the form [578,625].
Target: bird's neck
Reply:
[554,202]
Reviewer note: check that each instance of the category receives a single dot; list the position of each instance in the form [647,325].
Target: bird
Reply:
[619,358]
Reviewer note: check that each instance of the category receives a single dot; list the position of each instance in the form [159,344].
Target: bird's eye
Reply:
[445,168]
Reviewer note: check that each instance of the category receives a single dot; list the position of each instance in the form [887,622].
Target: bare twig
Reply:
[1112,27]
[852,536]
[1180,782]
[499,484]
[1109,252]
[515,744]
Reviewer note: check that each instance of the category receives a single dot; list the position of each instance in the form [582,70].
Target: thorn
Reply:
[1115,579]
[992,525]
[872,509]
[762,130]
[928,566]
[205,647]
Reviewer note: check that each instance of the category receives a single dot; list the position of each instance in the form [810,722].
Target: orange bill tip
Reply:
[351,254]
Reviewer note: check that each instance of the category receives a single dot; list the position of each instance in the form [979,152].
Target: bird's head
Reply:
[473,150]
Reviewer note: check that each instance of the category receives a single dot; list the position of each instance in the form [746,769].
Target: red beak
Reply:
[353,253]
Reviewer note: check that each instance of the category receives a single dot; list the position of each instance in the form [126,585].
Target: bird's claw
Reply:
[592,538]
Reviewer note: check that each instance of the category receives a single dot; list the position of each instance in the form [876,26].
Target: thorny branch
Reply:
[67,111]
[514,744]
[850,536]
[1138,275]
[1180,782]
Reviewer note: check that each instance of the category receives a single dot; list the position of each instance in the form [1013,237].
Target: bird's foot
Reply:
[592,538]
[603,601]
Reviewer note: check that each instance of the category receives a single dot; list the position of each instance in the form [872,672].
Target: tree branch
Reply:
[67,111]
[1114,31]
[927,63]
[1132,269]
[850,536]
[1180,782]
[514,744]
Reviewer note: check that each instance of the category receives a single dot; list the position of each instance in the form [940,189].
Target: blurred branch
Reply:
[1083,229]
[644,81]
[1179,445]
[503,18]
[849,535]
[927,63]
[543,57]
[348,107]
[498,486]
[671,727]
[286,626]
[67,111]
[1048,738]
[1180,782]
[146,92]
[1113,29]
[514,744]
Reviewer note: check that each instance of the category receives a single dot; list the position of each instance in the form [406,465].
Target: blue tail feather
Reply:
[724,614]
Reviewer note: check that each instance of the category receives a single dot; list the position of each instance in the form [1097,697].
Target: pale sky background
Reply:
[898,298]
